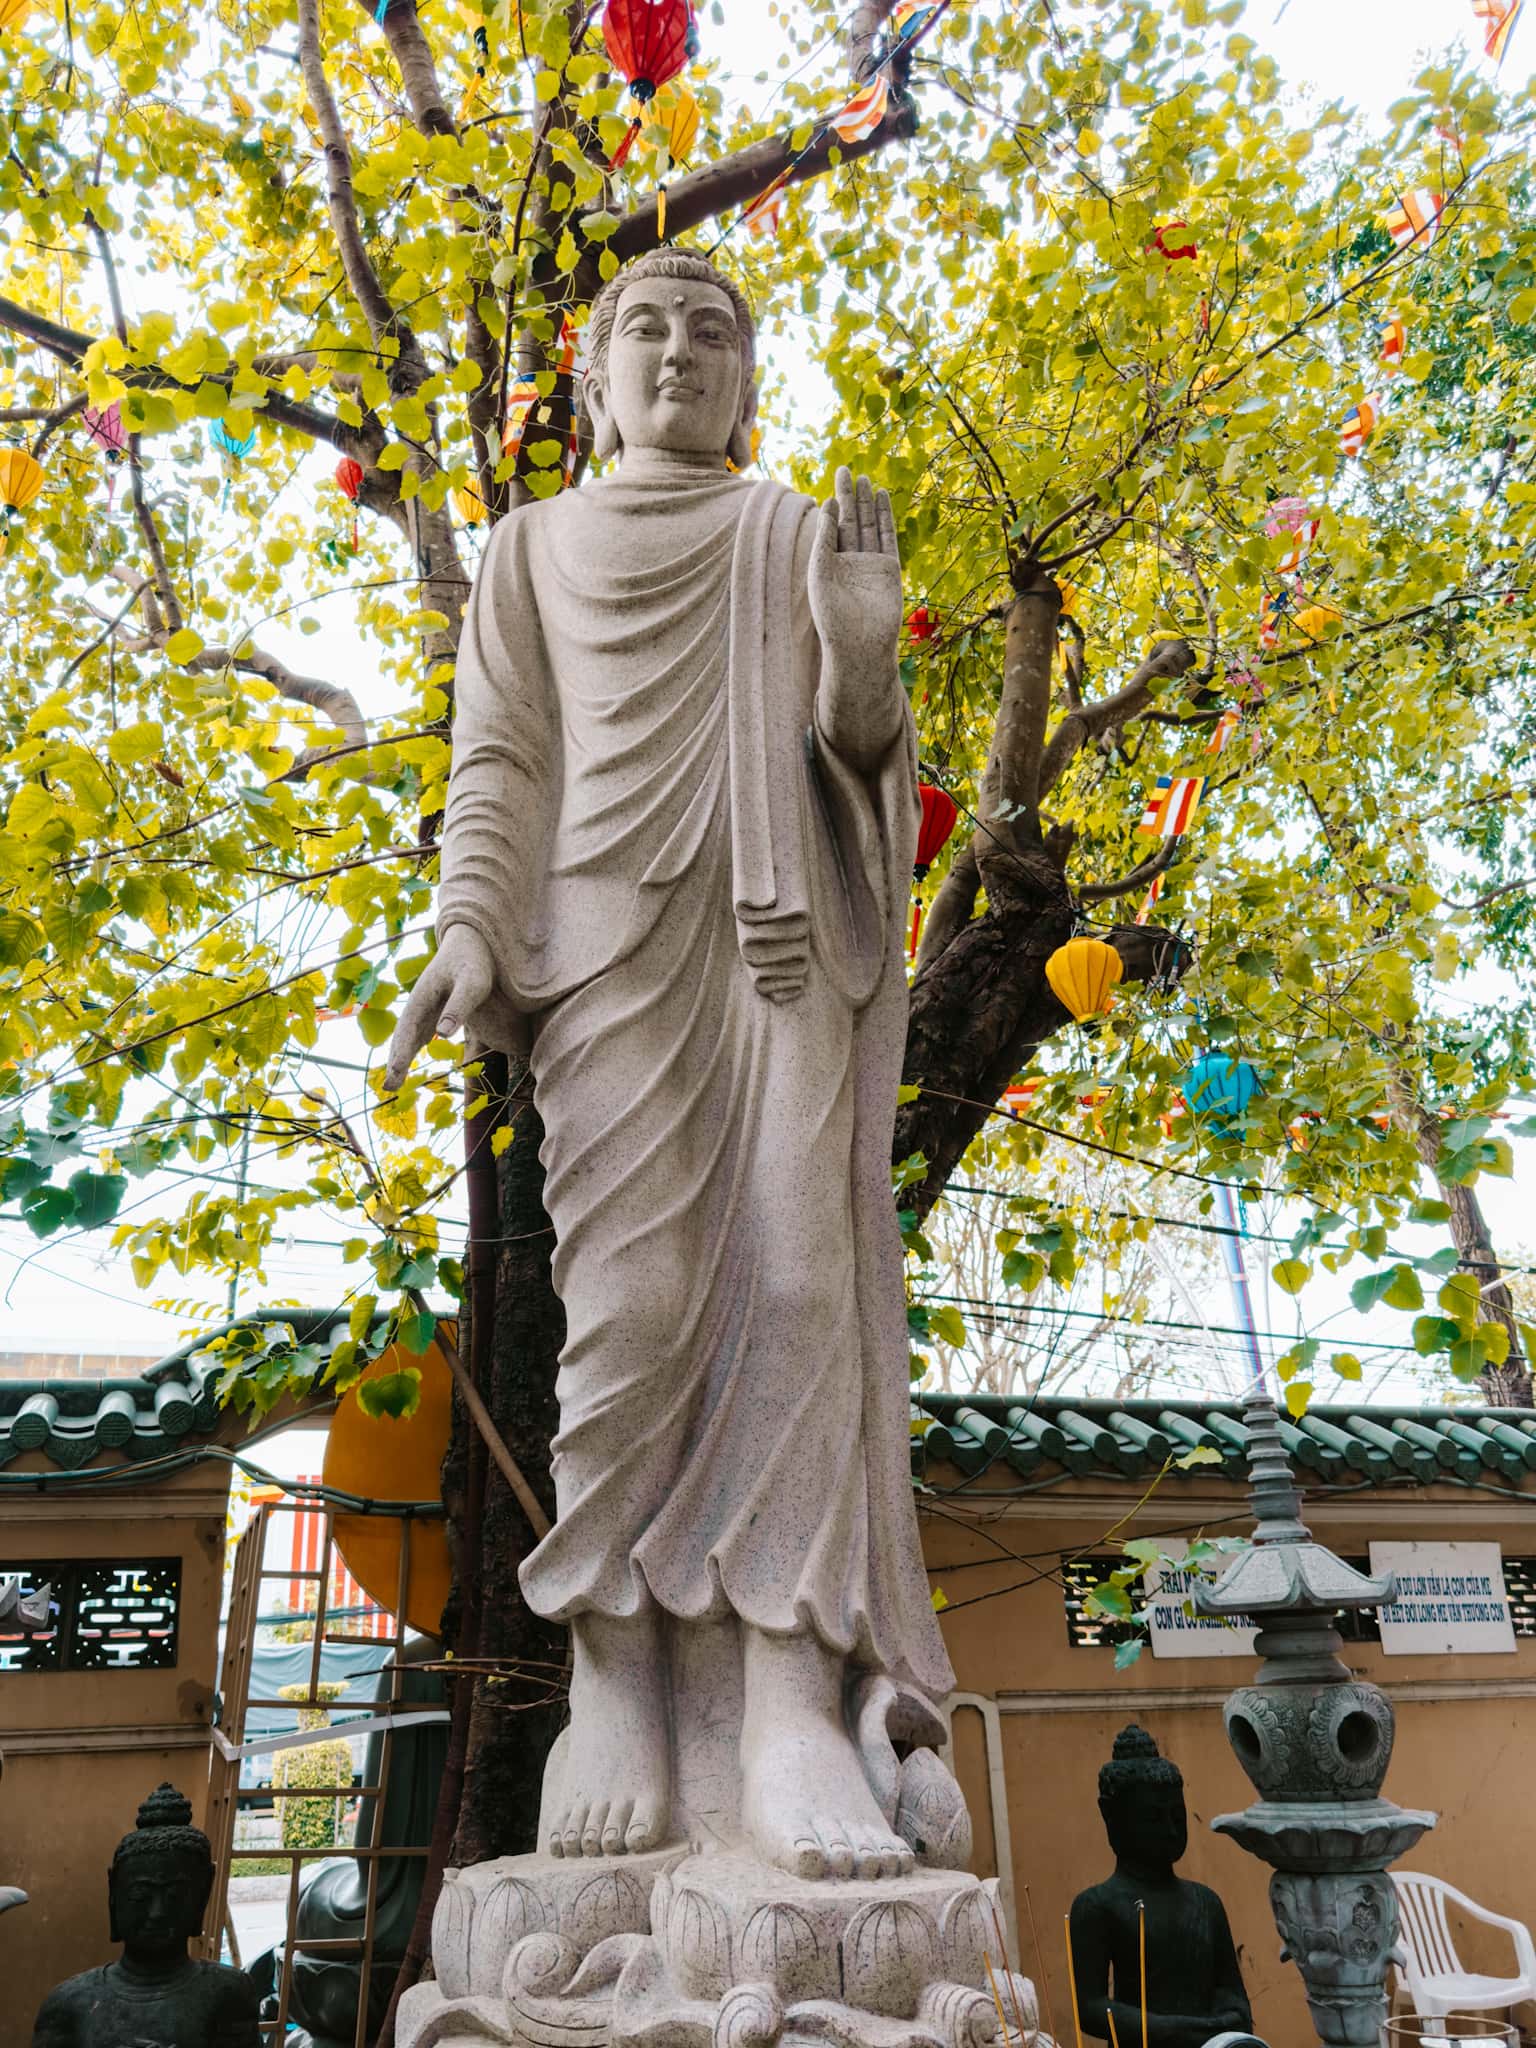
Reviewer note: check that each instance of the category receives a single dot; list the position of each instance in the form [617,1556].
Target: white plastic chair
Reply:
[1426,1958]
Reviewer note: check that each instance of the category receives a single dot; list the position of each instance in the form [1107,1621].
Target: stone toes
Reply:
[840,1859]
[643,1831]
[809,1858]
[570,1834]
[592,1833]
[614,1826]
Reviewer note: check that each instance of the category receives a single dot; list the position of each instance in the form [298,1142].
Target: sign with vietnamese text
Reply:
[1173,1632]
[1450,1600]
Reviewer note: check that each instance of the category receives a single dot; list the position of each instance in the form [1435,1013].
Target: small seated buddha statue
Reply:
[1194,1988]
[158,1890]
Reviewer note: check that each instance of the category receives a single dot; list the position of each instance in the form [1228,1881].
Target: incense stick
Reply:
[1141,1933]
[1077,2025]
[1011,1980]
[1045,1982]
[986,1957]
[1114,2037]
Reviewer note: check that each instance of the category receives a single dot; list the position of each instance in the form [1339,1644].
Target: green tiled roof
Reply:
[996,1439]
[74,1422]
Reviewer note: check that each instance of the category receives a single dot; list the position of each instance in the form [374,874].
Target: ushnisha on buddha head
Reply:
[1141,1797]
[671,361]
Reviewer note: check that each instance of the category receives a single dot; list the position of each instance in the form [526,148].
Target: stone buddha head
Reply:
[1141,1797]
[158,1887]
[671,361]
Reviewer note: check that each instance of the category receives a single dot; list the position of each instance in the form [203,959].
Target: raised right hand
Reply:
[452,986]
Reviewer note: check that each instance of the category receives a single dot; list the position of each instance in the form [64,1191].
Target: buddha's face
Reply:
[1147,1827]
[674,375]
[157,1906]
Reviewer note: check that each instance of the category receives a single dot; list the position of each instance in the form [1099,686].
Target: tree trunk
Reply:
[1507,1385]
[513,1719]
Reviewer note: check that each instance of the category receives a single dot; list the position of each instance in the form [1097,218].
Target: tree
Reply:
[1093,308]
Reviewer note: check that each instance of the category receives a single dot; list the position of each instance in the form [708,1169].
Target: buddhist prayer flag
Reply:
[1499,18]
[1171,807]
[1394,339]
[1301,546]
[1359,423]
[1150,898]
[765,215]
[1270,609]
[1414,217]
[864,112]
[910,18]
[1226,725]
[1019,1094]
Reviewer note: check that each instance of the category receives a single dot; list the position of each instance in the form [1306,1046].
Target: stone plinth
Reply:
[683,1950]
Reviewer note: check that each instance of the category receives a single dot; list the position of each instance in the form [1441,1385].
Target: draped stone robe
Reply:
[649,827]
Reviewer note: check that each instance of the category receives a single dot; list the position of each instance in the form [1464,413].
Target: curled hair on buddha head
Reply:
[1137,1763]
[687,266]
[164,1826]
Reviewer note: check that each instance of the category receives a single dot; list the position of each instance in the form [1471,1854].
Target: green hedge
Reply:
[313,1823]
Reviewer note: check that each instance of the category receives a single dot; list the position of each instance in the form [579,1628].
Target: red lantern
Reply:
[649,41]
[939,814]
[922,624]
[1163,240]
[349,480]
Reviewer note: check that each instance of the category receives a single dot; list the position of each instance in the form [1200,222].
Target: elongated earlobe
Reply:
[605,433]
[739,449]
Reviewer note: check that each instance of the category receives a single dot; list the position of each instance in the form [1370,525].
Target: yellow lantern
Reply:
[676,112]
[469,504]
[21,478]
[1319,620]
[14,12]
[1082,974]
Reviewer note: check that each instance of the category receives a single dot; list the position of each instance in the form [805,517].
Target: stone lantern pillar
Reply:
[1315,1742]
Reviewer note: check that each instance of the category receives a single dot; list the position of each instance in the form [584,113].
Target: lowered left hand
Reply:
[855,583]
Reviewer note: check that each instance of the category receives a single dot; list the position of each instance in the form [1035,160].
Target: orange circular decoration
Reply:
[380,1458]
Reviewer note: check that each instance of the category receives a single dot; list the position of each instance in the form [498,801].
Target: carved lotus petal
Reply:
[750,2016]
[967,1937]
[890,1951]
[698,1943]
[451,1923]
[931,1813]
[507,1910]
[610,1902]
[781,1947]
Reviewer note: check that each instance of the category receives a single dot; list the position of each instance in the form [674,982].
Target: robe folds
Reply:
[700,907]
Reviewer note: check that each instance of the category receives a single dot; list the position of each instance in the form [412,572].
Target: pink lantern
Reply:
[104,428]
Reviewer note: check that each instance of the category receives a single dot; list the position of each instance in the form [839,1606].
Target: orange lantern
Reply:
[390,1458]
[1082,975]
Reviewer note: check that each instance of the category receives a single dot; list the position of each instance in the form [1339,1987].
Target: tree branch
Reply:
[736,180]
[1010,788]
[409,369]
[70,347]
[1145,871]
[1089,721]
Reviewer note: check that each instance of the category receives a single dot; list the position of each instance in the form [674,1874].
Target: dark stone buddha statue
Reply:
[1194,1987]
[156,1996]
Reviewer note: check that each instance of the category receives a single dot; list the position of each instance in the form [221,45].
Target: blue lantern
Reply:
[227,443]
[1220,1088]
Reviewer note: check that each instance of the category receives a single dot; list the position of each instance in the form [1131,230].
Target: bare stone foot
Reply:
[806,1802]
[615,1794]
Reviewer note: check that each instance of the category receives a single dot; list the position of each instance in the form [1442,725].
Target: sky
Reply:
[76,1296]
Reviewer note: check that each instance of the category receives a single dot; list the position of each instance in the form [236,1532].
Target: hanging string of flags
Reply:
[859,116]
